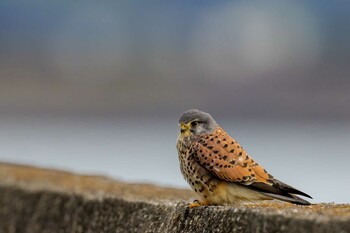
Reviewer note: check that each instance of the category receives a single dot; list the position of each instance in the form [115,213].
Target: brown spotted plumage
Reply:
[219,169]
[221,155]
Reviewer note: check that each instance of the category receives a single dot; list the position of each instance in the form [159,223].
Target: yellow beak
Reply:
[185,128]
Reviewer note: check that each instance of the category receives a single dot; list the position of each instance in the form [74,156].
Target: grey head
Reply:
[193,122]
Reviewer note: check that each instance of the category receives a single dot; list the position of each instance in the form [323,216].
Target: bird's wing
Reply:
[225,158]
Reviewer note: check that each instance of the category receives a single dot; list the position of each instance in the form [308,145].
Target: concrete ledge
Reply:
[39,200]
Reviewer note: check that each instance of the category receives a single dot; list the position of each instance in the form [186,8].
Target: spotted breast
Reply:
[200,180]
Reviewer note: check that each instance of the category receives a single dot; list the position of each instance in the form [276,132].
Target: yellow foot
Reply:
[197,203]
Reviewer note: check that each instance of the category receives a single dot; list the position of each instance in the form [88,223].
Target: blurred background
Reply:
[98,86]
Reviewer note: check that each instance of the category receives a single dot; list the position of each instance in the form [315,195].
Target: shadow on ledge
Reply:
[40,200]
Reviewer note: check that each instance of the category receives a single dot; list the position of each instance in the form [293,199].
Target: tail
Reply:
[292,198]
[281,191]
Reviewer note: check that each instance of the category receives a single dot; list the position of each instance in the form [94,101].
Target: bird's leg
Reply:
[197,203]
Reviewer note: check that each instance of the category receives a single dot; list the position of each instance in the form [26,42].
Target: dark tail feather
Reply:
[281,191]
[293,199]
[285,187]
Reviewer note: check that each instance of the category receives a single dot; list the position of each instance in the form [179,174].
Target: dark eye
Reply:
[194,123]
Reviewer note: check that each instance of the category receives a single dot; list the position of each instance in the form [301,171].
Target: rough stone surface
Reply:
[40,200]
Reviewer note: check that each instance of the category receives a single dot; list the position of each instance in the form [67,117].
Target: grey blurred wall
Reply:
[287,60]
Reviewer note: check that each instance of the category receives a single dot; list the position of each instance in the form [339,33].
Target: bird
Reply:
[220,171]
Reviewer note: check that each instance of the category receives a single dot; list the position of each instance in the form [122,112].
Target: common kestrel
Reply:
[219,169]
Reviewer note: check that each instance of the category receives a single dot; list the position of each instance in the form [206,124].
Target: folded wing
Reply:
[227,160]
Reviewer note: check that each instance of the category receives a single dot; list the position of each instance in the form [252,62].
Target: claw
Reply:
[197,203]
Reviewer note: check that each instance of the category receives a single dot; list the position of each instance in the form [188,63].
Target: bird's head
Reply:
[194,122]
